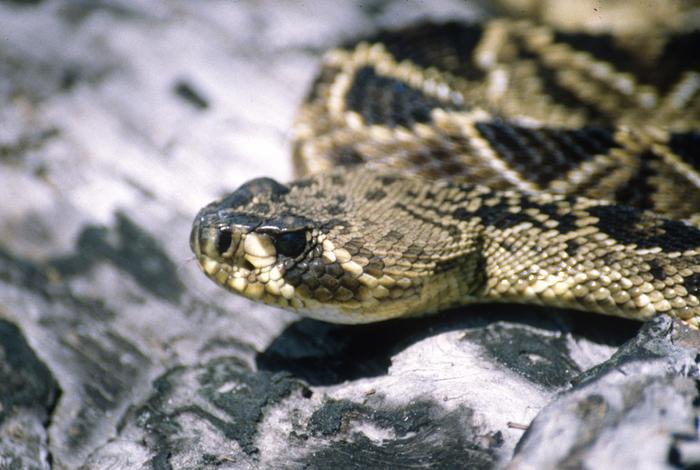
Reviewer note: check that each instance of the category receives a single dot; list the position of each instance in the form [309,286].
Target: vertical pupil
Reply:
[223,241]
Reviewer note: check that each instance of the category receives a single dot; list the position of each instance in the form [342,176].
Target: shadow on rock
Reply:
[326,354]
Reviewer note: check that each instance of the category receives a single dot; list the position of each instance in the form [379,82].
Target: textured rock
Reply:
[636,410]
[118,121]
[27,397]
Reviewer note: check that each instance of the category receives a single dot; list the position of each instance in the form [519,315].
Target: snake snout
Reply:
[205,242]
[212,241]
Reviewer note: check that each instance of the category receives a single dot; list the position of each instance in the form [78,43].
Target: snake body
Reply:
[447,164]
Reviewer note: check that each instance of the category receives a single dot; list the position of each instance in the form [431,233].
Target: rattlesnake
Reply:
[454,163]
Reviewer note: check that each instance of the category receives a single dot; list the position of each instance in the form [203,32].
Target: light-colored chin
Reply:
[235,280]
[267,286]
[338,313]
[310,308]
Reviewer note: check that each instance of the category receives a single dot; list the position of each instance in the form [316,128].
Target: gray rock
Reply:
[118,121]
[28,394]
[636,410]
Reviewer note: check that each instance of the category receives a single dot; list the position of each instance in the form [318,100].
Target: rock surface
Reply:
[118,121]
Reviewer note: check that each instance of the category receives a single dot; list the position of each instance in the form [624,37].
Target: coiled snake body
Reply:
[453,163]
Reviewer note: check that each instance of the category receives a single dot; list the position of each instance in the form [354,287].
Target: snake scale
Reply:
[455,163]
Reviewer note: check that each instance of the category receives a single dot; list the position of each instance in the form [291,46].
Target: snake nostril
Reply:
[223,240]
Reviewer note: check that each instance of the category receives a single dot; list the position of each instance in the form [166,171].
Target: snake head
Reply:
[247,241]
[333,247]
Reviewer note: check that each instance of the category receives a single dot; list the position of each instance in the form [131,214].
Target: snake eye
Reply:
[291,244]
[223,239]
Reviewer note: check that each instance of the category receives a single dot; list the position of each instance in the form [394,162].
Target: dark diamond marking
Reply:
[561,94]
[448,47]
[679,56]
[542,155]
[389,102]
[622,224]
[497,215]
